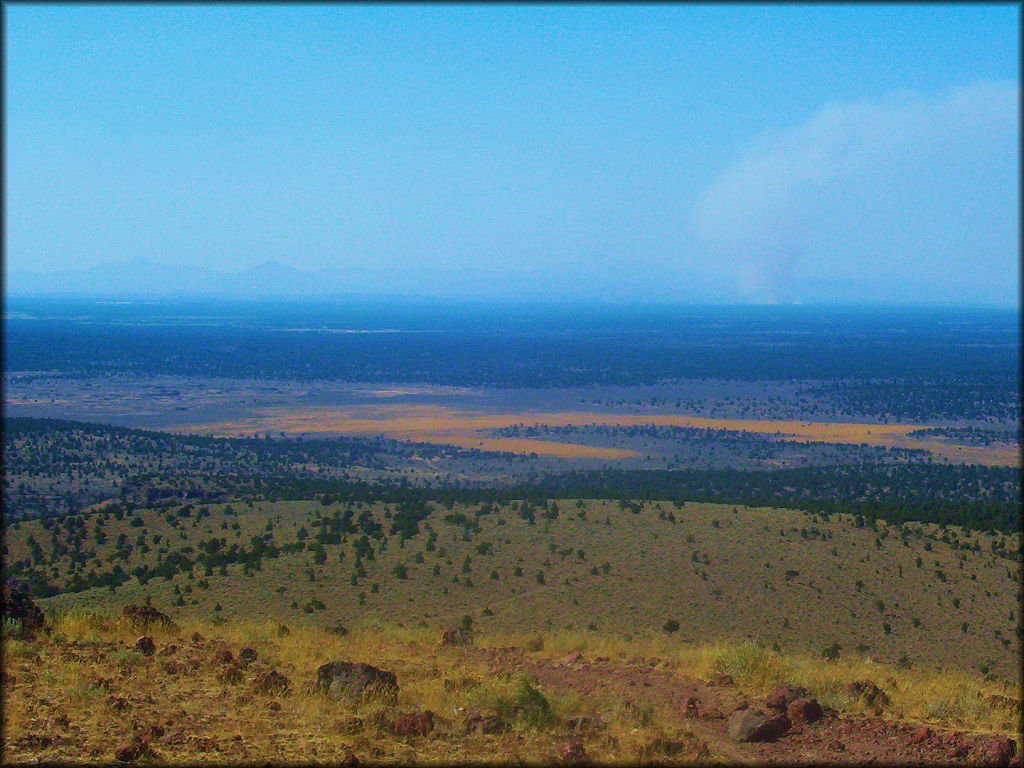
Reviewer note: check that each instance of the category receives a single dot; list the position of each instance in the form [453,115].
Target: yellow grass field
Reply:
[448,426]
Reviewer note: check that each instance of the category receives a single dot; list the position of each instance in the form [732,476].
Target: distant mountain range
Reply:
[559,282]
[148,278]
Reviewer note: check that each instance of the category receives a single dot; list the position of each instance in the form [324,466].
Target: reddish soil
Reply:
[706,707]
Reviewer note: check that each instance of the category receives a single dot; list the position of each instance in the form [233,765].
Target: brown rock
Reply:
[419,724]
[802,711]
[145,645]
[781,697]
[134,750]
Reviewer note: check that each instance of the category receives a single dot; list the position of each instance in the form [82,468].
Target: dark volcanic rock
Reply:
[457,637]
[804,711]
[751,725]
[348,681]
[16,603]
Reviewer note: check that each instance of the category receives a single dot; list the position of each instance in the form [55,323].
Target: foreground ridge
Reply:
[138,687]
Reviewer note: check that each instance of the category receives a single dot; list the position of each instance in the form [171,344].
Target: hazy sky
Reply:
[691,153]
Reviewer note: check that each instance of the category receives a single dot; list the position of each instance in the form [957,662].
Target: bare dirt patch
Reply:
[443,425]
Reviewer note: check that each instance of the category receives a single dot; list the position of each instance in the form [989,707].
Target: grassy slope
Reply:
[53,688]
[723,582]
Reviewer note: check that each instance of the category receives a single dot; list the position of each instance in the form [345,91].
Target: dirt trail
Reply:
[706,708]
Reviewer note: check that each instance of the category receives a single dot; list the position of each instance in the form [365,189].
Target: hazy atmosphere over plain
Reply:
[673,153]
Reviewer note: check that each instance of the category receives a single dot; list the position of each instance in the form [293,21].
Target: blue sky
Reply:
[673,153]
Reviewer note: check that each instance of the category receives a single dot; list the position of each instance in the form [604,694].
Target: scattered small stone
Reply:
[997,751]
[920,735]
[34,741]
[204,744]
[145,645]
